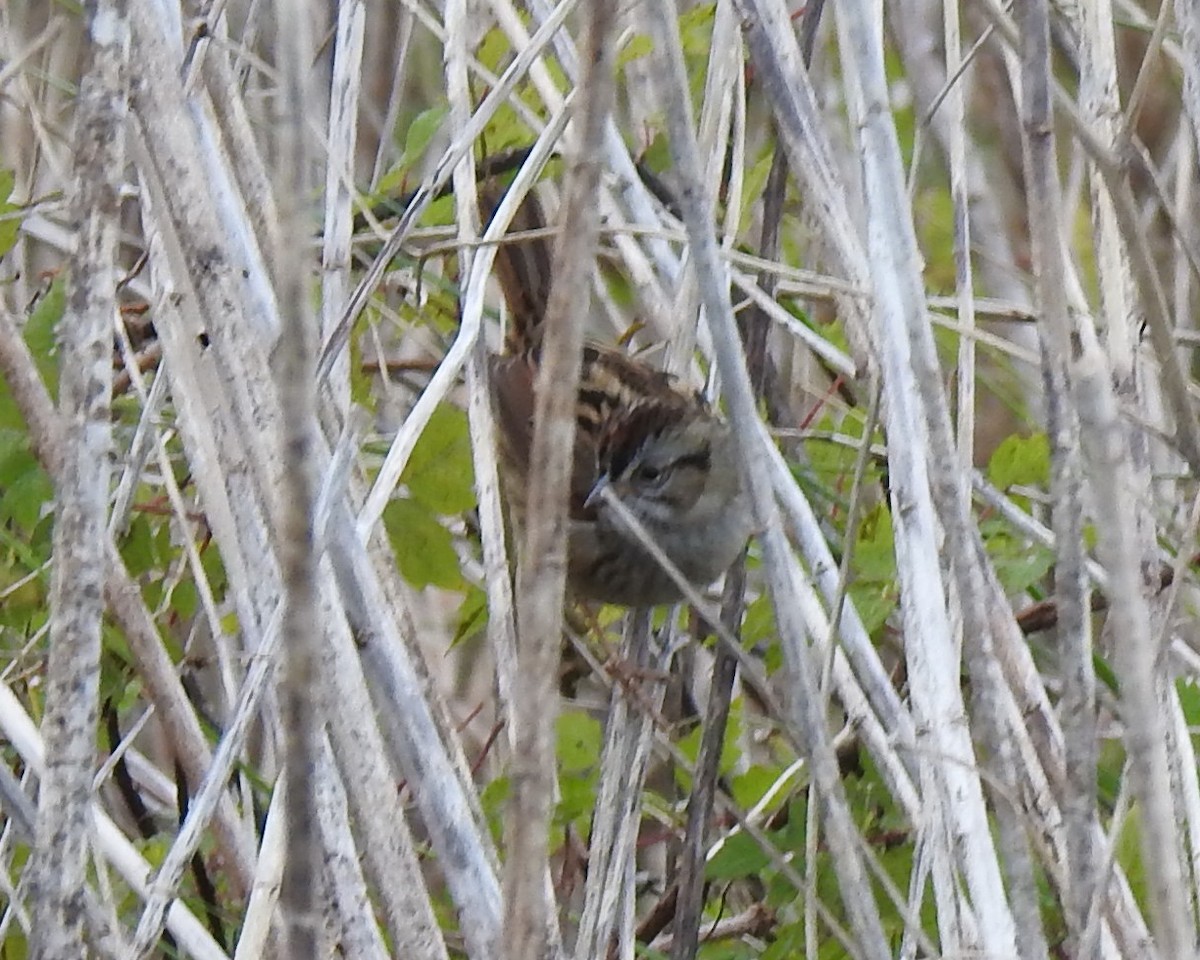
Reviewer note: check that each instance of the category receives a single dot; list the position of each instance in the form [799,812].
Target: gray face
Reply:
[679,481]
[666,476]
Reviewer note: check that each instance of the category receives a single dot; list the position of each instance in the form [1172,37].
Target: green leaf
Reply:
[795,830]
[15,456]
[1129,852]
[417,136]
[138,548]
[362,383]
[874,588]
[25,490]
[11,420]
[420,134]
[579,737]
[1189,699]
[1019,562]
[25,607]
[831,462]
[40,333]
[689,746]
[423,547]
[1106,674]
[758,625]
[576,802]
[726,949]
[750,787]
[1110,768]
[934,221]
[506,130]
[493,800]
[214,569]
[874,603]
[10,213]
[740,856]
[116,674]
[1020,571]
[440,473]
[695,30]
[787,942]
[472,615]
[494,50]
[755,184]
[640,45]
[1021,460]
[875,551]
[184,599]
[657,153]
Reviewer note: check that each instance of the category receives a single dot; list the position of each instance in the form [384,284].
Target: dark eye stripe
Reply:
[701,460]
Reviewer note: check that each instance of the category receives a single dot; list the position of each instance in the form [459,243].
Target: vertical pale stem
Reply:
[542,571]
[64,820]
[339,181]
[301,702]
[960,189]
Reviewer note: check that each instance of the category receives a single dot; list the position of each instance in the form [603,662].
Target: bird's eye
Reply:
[648,474]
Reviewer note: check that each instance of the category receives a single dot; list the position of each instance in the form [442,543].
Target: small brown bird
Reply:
[660,450]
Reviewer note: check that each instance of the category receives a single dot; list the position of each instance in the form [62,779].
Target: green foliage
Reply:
[440,473]
[1110,765]
[506,130]
[755,183]
[1189,701]
[727,950]
[419,135]
[361,382]
[10,220]
[934,221]
[787,944]
[731,753]
[657,153]
[472,615]
[1128,849]
[740,856]
[1023,461]
[440,482]
[185,599]
[695,32]
[832,454]
[580,742]
[639,46]
[41,329]
[1019,562]
[142,547]
[118,683]
[751,786]
[874,589]
[25,489]
[423,547]
[493,800]
[758,622]
[580,738]
[493,50]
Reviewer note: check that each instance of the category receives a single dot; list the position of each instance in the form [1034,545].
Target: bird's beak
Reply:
[596,494]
